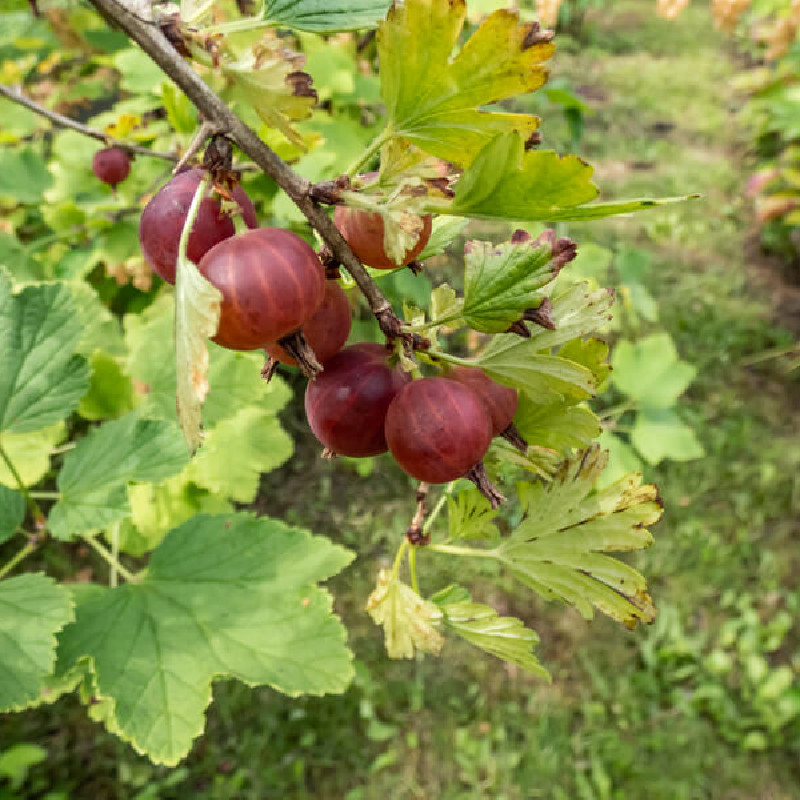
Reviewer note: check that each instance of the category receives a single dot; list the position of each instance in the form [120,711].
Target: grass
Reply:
[628,715]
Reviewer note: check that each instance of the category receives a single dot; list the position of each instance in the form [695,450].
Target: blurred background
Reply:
[663,99]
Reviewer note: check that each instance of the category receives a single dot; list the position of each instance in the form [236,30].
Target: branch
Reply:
[215,111]
[16,96]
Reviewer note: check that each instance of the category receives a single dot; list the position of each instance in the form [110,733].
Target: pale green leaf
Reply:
[409,621]
[110,392]
[592,353]
[33,609]
[237,450]
[12,512]
[502,281]
[235,377]
[41,380]
[324,16]
[507,638]
[445,230]
[95,474]
[541,461]
[650,372]
[470,516]
[23,175]
[445,305]
[622,459]
[558,426]
[30,453]
[156,508]
[505,182]
[433,100]
[224,596]
[559,549]
[197,310]
[16,258]
[659,433]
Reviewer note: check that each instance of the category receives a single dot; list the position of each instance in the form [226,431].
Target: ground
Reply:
[647,714]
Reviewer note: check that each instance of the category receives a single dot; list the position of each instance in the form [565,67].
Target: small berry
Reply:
[111,165]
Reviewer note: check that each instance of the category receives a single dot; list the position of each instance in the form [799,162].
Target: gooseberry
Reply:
[271,283]
[346,405]
[164,216]
[111,165]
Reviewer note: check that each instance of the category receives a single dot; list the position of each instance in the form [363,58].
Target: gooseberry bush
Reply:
[136,438]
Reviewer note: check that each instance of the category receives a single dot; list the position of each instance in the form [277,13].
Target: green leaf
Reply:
[323,16]
[95,474]
[445,231]
[33,609]
[504,637]
[41,381]
[12,512]
[16,761]
[181,114]
[591,353]
[23,175]
[110,391]
[15,258]
[505,182]
[234,377]
[650,372]
[157,508]
[470,516]
[622,459]
[659,433]
[197,309]
[224,596]
[559,549]
[433,100]
[560,426]
[30,453]
[445,305]
[237,451]
[408,620]
[502,281]
[529,365]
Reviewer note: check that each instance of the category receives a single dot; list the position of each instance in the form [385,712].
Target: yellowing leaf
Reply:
[270,76]
[433,101]
[197,310]
[408,620]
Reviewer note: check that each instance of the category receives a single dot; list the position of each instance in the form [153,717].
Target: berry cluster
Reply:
[275,296]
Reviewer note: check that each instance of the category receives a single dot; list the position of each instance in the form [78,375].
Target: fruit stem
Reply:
[412,568]
[479,477]
[514,437]
[458,550]
[296,345]
[369,151]
[398,559]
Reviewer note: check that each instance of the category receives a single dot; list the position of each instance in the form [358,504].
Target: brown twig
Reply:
[16,96]
[214,109]
[414,533]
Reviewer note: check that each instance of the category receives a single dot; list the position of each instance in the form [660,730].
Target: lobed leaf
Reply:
[558,426]
[224,596]
[507,638]
[559,549]
[502,281]
[33,609]
[659,433]
[470,516]
[408,620]
[433,101]
[95,474]
[41,380]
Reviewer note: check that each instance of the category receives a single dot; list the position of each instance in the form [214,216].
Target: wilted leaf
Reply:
[408,620]
[432,100]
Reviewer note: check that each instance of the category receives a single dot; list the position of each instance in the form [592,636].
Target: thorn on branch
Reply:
[270,365]
[296,345]
[479,477]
